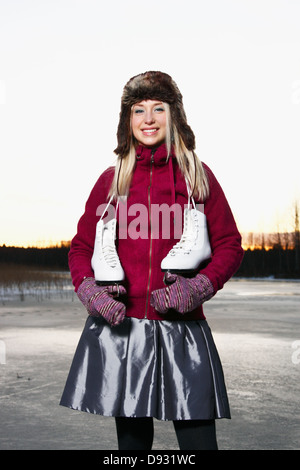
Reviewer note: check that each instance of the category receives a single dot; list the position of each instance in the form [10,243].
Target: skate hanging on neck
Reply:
[105,260]
[193,249]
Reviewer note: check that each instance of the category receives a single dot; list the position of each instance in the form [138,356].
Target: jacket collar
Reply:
[158,155]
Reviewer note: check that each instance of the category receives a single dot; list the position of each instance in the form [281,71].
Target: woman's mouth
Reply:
[149,132]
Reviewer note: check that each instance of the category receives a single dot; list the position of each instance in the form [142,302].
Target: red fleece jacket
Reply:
[155,182]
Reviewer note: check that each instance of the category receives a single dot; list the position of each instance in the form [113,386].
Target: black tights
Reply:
[137,434]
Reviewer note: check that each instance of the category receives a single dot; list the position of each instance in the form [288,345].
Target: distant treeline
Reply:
[277,262]
[259,262]
[272,254]
[53,257]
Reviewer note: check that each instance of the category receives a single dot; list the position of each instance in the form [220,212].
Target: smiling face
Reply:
[149,123]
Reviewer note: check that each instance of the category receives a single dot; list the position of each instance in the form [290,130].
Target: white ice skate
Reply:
[193,248]
[105,260]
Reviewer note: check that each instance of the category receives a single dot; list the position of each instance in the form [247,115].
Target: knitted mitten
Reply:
[183,295]
[99,300]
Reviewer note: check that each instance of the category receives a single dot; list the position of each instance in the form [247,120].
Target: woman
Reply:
[146,350]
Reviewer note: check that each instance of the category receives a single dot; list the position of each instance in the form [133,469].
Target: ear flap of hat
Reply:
[154,86]
[179,118]
[124,132]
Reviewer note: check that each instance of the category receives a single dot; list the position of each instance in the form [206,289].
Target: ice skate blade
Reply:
[184,272]
[191,272]
[117,284]
[108,283]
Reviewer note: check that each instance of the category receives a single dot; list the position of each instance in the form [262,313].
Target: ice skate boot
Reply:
[193,248]
[105,260]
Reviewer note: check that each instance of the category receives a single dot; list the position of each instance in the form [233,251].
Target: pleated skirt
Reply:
[169,370]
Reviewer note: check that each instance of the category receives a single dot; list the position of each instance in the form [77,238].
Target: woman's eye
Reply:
[159,109]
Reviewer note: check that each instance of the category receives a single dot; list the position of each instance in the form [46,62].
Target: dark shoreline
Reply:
[278,263]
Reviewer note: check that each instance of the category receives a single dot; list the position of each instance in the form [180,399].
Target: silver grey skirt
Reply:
[169,370]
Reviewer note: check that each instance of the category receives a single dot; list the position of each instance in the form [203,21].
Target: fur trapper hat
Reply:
[152,86]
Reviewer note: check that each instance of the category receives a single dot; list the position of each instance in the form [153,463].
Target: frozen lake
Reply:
[256,326]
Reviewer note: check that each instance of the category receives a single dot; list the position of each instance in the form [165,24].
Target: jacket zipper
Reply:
[150,248]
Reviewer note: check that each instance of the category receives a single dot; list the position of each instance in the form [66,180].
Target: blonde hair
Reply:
[189,164]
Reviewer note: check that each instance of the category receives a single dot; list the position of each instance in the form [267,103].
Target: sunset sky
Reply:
[63,65]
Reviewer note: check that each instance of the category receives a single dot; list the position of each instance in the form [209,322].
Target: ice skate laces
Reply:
[190,228]
[189,235]
[109,251]
[108,248]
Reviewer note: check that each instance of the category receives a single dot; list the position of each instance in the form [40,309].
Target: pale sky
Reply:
[63,65]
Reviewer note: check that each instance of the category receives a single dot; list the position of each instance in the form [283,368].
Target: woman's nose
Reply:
[149,118]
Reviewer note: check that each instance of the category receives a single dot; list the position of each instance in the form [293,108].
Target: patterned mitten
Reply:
[99,300]
[183,294]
